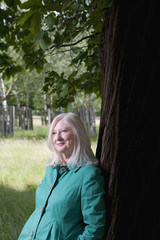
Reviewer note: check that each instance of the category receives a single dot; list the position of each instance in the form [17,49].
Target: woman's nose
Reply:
[59,136]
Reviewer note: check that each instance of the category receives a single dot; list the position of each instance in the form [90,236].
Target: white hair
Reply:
[82,153]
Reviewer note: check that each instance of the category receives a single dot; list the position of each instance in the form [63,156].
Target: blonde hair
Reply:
[82,153]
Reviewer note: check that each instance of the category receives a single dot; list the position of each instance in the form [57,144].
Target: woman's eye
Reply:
[53,133]
[64,130]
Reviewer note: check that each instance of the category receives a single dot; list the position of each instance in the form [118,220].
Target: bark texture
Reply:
[129,136]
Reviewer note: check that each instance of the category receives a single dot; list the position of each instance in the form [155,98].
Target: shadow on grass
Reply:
[16,207]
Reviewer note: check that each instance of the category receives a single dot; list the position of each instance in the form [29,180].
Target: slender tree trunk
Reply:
[92,117]
[4,106]
[45,110]
[129,136]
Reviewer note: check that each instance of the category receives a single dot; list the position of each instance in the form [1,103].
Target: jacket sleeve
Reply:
[93,206]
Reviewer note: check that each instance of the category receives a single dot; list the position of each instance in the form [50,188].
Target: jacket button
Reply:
[41,209]
[31,234]
[63,169]
[50,186]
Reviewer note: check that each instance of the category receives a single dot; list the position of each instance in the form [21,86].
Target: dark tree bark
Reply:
[129,136]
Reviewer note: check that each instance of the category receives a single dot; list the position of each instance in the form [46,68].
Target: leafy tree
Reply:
[48,28]
[9,31]
[51,26]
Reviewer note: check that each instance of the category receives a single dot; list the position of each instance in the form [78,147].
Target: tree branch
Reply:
[62,45]
[70,44]
[79,3]
[10,89]
[94,7]
[13,94]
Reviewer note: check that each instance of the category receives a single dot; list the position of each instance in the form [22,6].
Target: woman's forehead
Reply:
[61,124]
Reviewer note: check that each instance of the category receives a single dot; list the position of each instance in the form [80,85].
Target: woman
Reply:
[70,200]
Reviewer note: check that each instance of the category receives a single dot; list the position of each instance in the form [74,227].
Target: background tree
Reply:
[43,31]
[54,29]
[9,32]
[74,26]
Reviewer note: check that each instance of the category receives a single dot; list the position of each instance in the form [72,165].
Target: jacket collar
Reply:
[74,169]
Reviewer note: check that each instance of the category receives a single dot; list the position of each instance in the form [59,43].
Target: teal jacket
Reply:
[68,207]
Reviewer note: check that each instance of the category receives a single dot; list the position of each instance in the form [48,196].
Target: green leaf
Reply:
[53,74]
[32,4]
[67,5]
[83,2]
[64,90]
[40,35]
[25,17]
[79,58]
[43,44]
[50,20]
[54,7]
[74,7]
[3,46]
[36,23]
[73,74]
[47,39]
[58,38]
[76,50]
[16,4]
[27,38]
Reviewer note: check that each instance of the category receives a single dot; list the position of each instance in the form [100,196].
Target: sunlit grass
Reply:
[39,132]
[22,167]
[22,162]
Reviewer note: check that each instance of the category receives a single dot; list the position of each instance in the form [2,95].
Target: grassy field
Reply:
[22,167]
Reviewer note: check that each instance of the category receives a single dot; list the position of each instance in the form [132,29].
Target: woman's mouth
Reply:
[60,144]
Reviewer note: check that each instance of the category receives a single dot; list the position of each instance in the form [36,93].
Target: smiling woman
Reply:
[80,152]
[63,140]
[70,200]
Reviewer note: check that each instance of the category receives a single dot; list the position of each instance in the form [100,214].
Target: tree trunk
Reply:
[4,107]
[129,135]
[45,112]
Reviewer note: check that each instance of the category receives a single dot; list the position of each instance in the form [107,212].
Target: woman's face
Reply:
[63,139]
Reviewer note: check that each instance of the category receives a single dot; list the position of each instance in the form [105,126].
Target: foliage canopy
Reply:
[42,28]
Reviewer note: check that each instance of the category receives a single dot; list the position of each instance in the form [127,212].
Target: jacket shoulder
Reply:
[91,170]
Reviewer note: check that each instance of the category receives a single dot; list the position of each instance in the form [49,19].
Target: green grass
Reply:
[39,132]
[22,167]
[16,206]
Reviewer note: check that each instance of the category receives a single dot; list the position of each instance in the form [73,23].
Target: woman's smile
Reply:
[60,144]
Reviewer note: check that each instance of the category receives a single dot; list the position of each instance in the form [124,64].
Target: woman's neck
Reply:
[65,159]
